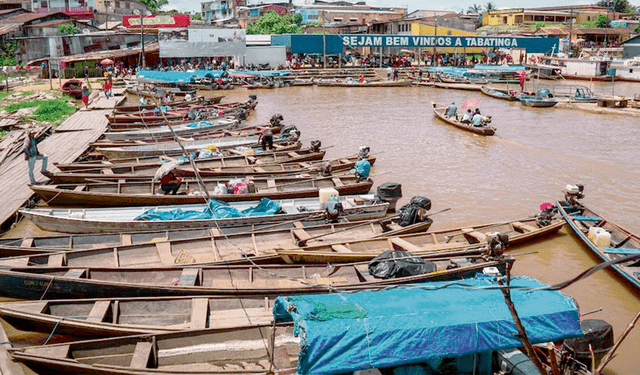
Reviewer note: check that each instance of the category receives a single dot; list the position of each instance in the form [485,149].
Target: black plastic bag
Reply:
[399,263]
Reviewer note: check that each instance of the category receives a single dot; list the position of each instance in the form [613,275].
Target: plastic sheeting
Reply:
[411,325]
[214,210]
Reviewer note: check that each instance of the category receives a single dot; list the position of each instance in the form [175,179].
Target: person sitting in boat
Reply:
[467,117]
[477,118]
[266,139]
[188,97]
[143,101]
[452,110]
[170,183]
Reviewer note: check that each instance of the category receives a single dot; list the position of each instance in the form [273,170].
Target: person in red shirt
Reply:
[170,183]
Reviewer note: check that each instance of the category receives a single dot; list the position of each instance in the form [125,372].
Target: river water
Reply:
[487,179]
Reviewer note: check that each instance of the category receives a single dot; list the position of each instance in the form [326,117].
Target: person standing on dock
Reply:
[85,95]
[31,155]
[389,71]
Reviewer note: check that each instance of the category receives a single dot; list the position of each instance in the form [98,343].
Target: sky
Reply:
[453,5]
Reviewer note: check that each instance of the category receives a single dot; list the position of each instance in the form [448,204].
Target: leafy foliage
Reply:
[196,16]
[67,28]
[54,111]
[489,6]
[540,25]
[602,21]
[616,5]
[273,23]
[474,9]
[7,56]
[154,5]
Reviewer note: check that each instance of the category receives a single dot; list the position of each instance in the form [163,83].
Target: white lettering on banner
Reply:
[429,41]
[514,42]
[447,41]
[416,40]
[377,41]
[471,42]
[388,41]
[458,42]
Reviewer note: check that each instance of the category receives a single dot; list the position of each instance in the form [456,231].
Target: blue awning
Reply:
[346,332]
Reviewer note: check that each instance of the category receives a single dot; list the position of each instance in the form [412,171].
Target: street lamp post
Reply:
[435,32]
[141,13]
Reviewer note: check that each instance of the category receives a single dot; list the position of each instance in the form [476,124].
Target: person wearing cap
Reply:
[31,155]
[452,110]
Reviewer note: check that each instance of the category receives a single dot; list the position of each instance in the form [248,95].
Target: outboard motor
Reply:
[389,192]
[363,152]
[315,146]
[572,193]
[547,212]
[326,168]
[333,209]
[598,334]
[253,98]
[276,120]
[287,130]
[241,115]
[497,244]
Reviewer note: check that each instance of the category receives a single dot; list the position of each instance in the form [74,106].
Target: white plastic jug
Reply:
[326,193]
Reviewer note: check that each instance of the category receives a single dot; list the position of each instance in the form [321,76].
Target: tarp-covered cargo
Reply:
[346,332]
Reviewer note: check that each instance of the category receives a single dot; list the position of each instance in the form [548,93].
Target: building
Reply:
[220,10]
[249,14]
[631,48]
[11,4]
[113,10]
[606,36]
[519,16]
[81,9]
[358,14]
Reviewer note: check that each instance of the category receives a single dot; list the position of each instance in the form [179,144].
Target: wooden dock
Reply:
[69,140]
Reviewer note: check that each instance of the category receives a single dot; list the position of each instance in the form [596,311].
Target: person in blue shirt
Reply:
[31,154]
[477,118]
[452,110]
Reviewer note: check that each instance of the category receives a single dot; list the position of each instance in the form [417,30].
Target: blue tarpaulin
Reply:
[412,325]
[214,210]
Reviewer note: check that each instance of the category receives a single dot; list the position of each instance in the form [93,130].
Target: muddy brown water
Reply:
[487,179]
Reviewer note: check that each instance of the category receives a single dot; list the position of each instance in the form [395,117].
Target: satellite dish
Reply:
[86,31]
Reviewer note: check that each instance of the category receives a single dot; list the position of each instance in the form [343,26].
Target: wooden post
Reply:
[522,334]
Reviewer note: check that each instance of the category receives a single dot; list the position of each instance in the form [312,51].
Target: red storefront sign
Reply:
[160,20]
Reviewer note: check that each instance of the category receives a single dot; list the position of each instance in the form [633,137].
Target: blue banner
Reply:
[409,41]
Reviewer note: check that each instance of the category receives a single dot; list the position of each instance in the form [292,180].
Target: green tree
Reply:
[622,6]
[273,23]
[196,16]
[474,9]
[154,5]
[490,6]
[602,21]
[67,28]
[7,54]
[540,25]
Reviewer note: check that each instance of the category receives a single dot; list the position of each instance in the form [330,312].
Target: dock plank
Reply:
[71,139]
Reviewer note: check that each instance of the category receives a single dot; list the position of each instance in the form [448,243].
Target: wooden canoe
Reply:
[450,242]
[312,168]
[138,107]
[499,94]
[195,352]
[440,110]
[170,148]
[204,109]
[122,219]
[621,243]
[458,86]
[224,132]
[234,245]
[231,280]
[148,193]
[403,83]
[230,158]
[164,132]
[134,316]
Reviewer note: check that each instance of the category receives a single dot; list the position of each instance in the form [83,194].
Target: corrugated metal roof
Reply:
[26,17]
[51,23]
[5,11]
[6,29]
[112,54]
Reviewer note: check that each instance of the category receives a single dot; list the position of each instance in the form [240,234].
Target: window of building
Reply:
[118,4]
[337,19]
[504,20]
[128,5]
[588,18]
[528,18]
[353,19]
[312,16]
[538,18]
